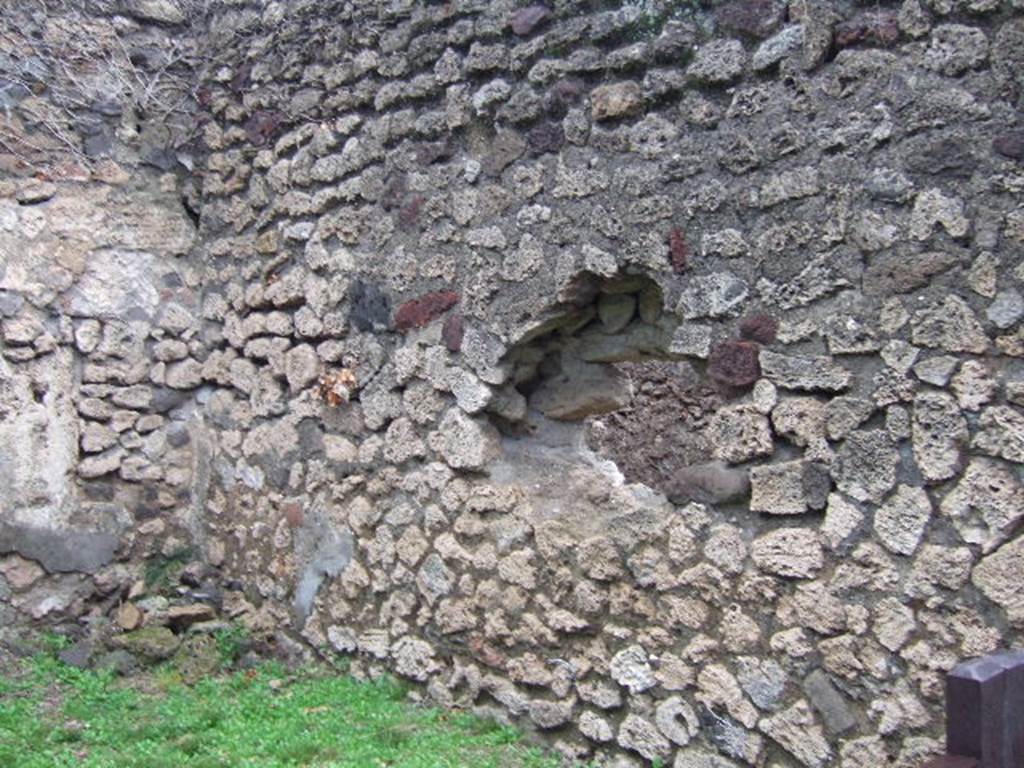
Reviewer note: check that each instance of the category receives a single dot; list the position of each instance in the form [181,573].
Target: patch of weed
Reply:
[232,643]
[268,716]
[159,570]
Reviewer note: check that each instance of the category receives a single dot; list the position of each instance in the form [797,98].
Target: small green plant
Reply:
[232,643]
[160,570]
[53,642]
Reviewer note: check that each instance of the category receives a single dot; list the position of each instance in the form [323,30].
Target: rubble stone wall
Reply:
[436,240]
[99,421]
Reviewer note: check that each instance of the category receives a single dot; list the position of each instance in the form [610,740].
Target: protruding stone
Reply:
[901,521]
[715,295]
[951,326]
[865,465]
[631,669]
[181,617]
[939,435]
[807,373]
[791,552]
[302,366]
[525,20]
[609,102]
[986,503]
[710,483]
[830,704]
[550,714]
[795,730]
[955,49]
[677,721]
[735,363]
[842,519]
[1001,433]
[159,11]
[789,488]
[936,370]
[998,576]
[465,442]
[800,419]
[718,62]
[691,340]
[640,736]
[776,48]
[974,385]
[595,727]
[153,643]
[739,433]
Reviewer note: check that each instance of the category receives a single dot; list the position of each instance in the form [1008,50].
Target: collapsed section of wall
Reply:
[453,262]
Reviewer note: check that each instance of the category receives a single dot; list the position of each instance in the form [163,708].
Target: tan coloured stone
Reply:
[1001,433]
[19,572]
[797,732]
[739,433]
[717,687]
[939,434]
[791,552]
[842,518]
[609,102]
[901,521]
[999,577]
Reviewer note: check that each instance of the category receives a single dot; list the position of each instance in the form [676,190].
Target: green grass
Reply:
[52,715]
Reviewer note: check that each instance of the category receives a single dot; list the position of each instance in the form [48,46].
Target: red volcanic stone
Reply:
[1010,144]
[485,652]
[678,250]
[755,18]
[262,126]
[409,213]
[546,137]
[452,331]
[759,328]
[424,310]
[874,28]
[293,514]
[735,363]
[525,20]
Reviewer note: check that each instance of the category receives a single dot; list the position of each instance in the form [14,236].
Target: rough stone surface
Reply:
[739,433]
[465,442]
[865,466]
[806,373]
[630,669]
[901,521]
[998,578]
[792,552]
[296,314]
[788,488]
[939,434]
[617,100]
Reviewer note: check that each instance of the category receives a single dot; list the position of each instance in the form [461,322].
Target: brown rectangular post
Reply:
[985,710]
[1013,707]
[975,704]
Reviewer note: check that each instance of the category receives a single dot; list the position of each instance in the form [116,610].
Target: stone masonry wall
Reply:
[442,246]
[98,424]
